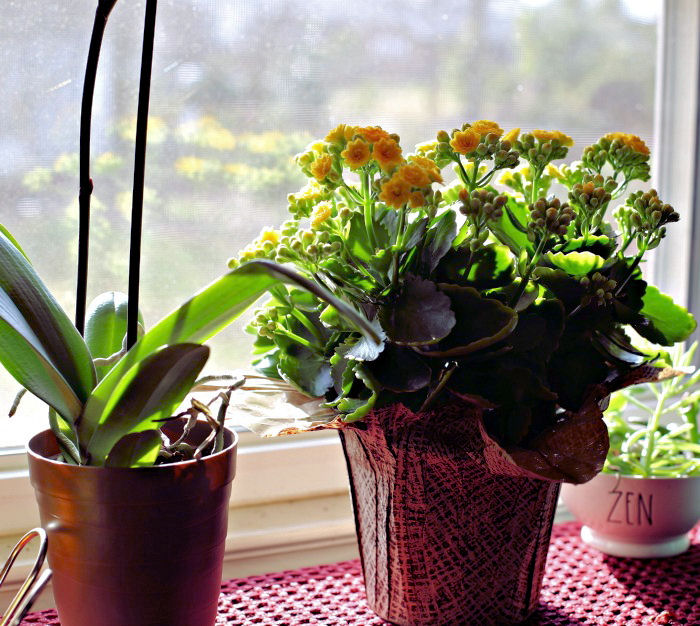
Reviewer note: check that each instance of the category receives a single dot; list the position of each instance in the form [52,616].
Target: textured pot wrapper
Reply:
[452,528]
[136,547]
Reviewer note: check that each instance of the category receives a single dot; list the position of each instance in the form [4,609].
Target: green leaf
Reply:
[26,359]
[362,349]
[438,241]
[357,408]
[419,315]
[105,327]
[492,266]
[204,315]
[481,322]
[576,263]
[602,245]
[8,234]
[671,320]
[62,345]
[149,391]
[135,450]
[400,369]
[508,228]
[305,371]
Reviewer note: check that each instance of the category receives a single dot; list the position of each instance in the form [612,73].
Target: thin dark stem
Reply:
[139,173]
[85,182]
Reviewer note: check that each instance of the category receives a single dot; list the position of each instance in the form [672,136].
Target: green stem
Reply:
[652,428]
[535,180]
[300,340]
[367,200]
[526,278]
[307,323]
[463,173]
[633,267]
[486,178]
[398,245]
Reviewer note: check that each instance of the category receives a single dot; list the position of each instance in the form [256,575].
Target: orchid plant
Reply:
[492,289]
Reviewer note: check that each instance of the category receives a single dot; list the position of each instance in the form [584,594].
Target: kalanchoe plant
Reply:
[492,290]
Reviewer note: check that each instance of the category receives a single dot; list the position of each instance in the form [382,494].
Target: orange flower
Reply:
[548,135]
[321,167]
[357,153]
[633,142]
[416,199]
[341,134]
[372,133]
[465,141]
[415,175]
[320,214]
[484,127]
[387,153]
[428,166]
[395,192]
[511,135]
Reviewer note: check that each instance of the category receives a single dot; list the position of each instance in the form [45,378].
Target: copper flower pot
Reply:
[135,547]
[443,538]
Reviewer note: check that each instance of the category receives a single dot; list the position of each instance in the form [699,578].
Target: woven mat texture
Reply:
[581,586]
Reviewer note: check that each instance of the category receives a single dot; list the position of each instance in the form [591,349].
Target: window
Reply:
[239,88]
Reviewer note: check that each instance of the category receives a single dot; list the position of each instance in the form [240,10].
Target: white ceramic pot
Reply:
[636,517]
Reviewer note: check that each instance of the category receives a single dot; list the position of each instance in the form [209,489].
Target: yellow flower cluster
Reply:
[320,215]
[262,247]
[548,135]
[364,143]
[633,142]
[465,141]
[484,127]
[409,183]
[321,167]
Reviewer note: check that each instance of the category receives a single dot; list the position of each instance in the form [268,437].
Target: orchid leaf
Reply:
[420,315]
[576,263]
[26,359]
[12,240]
[149,391]
[105,327]
[204,315]
[61,344]
[138,449]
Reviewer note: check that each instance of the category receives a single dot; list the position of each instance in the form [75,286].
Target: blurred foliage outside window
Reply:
[240,87]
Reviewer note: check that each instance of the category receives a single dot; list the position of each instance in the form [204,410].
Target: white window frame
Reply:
[290,504]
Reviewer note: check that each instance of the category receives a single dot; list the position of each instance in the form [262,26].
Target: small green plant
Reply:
[658,438]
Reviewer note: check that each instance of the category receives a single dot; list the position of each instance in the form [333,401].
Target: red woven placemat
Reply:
[581,586]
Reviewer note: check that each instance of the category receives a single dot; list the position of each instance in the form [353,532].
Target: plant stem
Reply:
[398,245]
[526,278]
[633,267]
[85,182]
[653,426]
[139,173]
[367,199]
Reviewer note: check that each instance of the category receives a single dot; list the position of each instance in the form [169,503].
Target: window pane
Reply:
[239,88]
